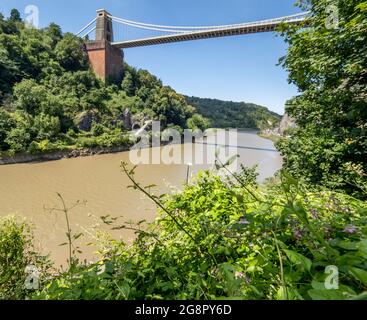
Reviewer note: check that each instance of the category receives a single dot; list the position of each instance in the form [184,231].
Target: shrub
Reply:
[20,136]
[45,146]
[97,129]
[87,142]
[16,254]
[6,124]
[70,54]
[219,240]
[46,127]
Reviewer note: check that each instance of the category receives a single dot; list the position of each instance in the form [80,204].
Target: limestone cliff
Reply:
[286,123]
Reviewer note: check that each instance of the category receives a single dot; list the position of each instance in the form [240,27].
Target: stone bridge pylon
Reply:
[106,60]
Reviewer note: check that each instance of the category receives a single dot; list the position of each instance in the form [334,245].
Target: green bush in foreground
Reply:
[16,254]
[232,239]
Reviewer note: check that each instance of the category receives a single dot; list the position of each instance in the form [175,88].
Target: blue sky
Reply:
[240,68]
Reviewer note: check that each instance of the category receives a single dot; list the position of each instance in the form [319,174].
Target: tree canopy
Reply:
[229,114]
[50,98]
[328,63]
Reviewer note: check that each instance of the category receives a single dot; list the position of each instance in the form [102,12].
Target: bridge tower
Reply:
[106,60]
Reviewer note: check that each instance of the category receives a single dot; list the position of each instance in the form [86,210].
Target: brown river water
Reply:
[30,190]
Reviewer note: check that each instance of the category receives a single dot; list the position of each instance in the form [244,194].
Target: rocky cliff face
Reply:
[286,123]
[84,120]
[127,119]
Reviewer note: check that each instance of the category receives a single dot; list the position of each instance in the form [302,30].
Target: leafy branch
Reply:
[130,174]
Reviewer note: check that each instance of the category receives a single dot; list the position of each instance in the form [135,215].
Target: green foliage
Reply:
[219,237]
[46,126]
[109,138]
[170,107]
[97,129]
[230,238]
[226,114]
[48,89]
[44,146]
[127,84]
[21,135]
[197,121]
[328,65]
[29,96]
[55,33]
[70,54]
[16,253]
[120,101]
[6,124]
[15,15]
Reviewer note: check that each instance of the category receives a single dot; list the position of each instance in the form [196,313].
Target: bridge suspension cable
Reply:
[147,27]
[129,33]
[88,33]
[86,27]
[183,28]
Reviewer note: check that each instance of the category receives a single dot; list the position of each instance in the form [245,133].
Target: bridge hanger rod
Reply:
[137,24]
[87,26]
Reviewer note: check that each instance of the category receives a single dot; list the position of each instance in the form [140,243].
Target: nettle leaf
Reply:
[349,259]
[298,259]
[318,285]
[362,296]
[288,180]
[359,274]
[288,294]
[334,294]
[347,245]
[362,248]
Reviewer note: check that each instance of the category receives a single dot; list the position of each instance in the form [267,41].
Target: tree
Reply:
[9,71]
[119,102]
[170,107]
[229,114]
[46,127]
[127,84]
[71,54]
[15,16]
[55,33]
[74,92]
[22,134]
[197,121]
[29,96]
[6,124]
[329,66]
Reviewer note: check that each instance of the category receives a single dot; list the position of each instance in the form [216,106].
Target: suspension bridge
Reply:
[106,35]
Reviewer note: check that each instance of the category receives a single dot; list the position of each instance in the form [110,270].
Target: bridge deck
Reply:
[206,34]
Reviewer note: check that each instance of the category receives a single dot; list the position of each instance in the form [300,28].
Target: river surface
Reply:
[30,191]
